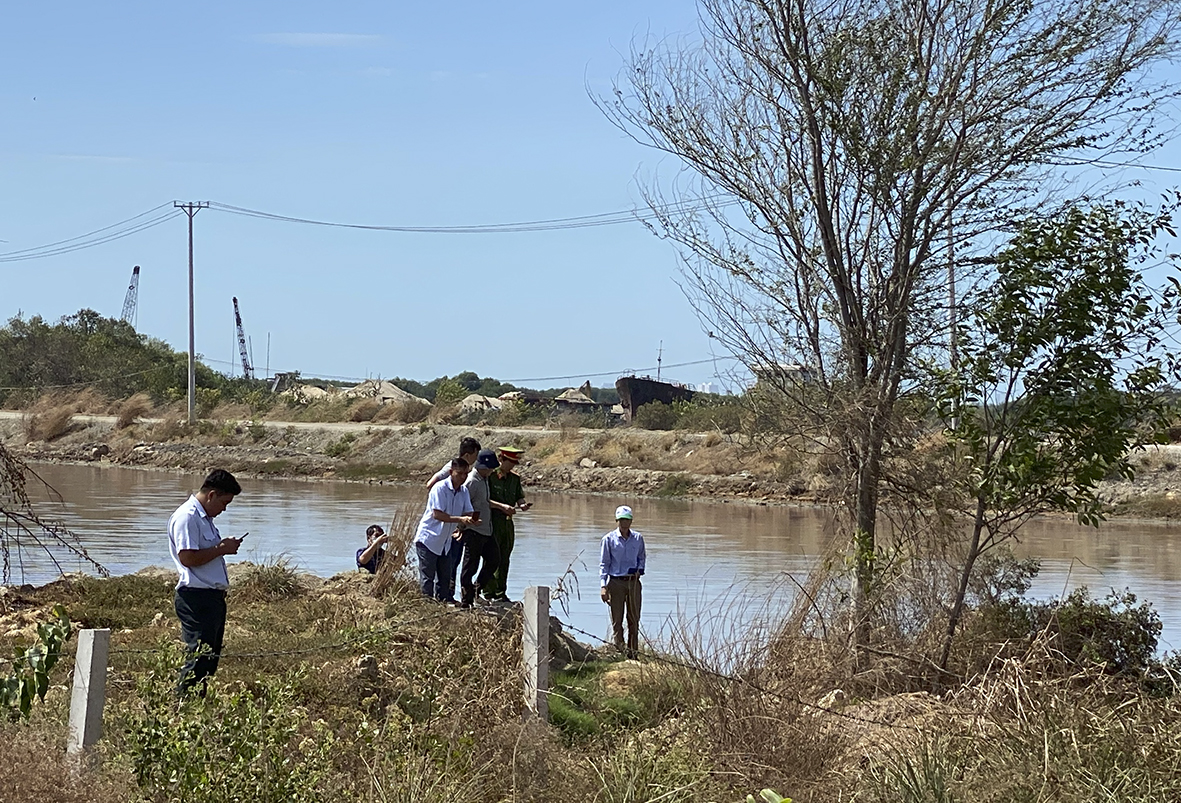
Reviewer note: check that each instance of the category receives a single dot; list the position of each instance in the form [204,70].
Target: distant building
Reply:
[709,387]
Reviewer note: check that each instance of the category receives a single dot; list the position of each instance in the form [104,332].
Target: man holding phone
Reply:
[199,551]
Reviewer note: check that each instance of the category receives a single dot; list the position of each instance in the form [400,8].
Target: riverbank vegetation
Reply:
[356,688]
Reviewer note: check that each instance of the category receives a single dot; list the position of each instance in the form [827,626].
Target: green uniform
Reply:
[506,490]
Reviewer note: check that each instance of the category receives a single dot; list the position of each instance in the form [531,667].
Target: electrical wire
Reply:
[91,239]
[155,217]
[617,373]
[554,224]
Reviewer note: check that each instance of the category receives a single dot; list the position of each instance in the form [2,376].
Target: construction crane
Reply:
[132,298]
[247,370]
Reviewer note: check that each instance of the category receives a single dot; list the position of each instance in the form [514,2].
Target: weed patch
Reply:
[341,447]
[373,471]
[676,485]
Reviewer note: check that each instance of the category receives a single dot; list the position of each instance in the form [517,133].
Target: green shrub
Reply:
[341,447]
[655,415]
[257,430]
[207,401]
[676,485]
[1116,631]
[709,414]
[29,677]
[251,744]
[260,401]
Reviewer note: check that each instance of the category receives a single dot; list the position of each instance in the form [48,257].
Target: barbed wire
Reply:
[98,381]
[438,614]
[704,670]
[376,633]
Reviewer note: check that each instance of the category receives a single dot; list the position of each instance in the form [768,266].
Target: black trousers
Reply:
[478,547]
[202,614]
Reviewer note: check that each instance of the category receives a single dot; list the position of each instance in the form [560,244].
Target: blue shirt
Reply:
[191,528]
[374,562]
[435,534]
[619,556]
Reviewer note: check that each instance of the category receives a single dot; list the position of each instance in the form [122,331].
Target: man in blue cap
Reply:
[622,560]
[477,537]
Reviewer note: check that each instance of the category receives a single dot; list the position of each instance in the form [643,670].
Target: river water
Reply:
[717,566]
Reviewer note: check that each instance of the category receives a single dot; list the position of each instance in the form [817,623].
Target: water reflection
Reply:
[704,559]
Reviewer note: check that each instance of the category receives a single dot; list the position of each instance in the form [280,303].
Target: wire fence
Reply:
[648,655]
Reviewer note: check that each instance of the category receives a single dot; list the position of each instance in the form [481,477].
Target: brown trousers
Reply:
[624,595]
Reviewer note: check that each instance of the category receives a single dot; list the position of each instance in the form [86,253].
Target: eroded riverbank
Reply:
[622,461]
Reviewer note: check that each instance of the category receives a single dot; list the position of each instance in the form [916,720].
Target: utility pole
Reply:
[191,209]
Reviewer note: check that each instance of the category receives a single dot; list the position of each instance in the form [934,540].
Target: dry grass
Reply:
[272,580]
[364,410]
[423,703]
[36,769]
[130,409]
[47,423]
[170,428]
[410,411]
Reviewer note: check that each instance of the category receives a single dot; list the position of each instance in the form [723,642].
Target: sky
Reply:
[376,113]
[397,114]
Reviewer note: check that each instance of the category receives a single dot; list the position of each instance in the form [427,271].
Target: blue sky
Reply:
[379,113]
[382,113]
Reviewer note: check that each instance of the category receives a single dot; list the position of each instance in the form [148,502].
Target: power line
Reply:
[150,218]
[616,373]
[1068,160]
[116,231]
[553,224]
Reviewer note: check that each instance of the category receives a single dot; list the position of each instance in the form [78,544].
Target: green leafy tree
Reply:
[835,153]
[1062,373]
[86,349]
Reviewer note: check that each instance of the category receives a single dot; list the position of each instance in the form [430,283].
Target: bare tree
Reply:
[836,150]
[23,531]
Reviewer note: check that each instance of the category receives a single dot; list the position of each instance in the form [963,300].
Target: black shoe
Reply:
[465,606]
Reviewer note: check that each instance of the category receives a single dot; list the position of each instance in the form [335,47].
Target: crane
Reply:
[132,298]
[247,370]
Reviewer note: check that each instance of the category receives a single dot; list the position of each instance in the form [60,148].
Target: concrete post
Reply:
[535,650]
[90,690]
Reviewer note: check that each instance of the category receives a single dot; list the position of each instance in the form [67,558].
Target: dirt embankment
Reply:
[633,462]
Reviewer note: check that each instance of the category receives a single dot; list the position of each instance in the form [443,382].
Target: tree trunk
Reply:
[865,494]
[957,608]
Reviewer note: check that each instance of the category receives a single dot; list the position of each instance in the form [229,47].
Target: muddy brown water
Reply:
[720,567]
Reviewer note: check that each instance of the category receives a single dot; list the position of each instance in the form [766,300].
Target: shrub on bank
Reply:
[130,409]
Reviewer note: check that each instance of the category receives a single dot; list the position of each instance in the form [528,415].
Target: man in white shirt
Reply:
[199,551]
[448,505]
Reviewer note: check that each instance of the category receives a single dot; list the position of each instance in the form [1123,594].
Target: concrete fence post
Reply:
[536,651]
[90,690]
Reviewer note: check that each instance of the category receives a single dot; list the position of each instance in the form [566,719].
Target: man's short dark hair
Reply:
[459,462]
[373,530]
[221,481]
[468,445]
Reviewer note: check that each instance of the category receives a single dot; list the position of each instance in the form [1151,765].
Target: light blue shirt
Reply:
[435,534]
[619,556]
[191,528]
